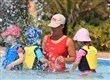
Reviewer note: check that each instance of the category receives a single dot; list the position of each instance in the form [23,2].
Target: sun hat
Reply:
[33,36]
[82,35]
[57,20]
[12,30]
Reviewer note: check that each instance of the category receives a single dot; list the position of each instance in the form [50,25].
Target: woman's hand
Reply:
[60,59]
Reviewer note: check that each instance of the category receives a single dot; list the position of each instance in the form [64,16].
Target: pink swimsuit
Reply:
[79,55]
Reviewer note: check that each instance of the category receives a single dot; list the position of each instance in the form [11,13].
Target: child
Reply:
[34,58]
[86,59]
[13,56]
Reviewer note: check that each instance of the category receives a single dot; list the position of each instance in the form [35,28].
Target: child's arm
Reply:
[18,61]
[75,65]
[43,44]
[2,52]
[40,55]
[79,55]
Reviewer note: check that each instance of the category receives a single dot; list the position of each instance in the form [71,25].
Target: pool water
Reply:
[103,73]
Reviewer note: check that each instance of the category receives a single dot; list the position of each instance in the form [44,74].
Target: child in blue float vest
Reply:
[86,58]
[34,58]
[13,55]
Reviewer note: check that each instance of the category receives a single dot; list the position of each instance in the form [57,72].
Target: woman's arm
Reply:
[71,51]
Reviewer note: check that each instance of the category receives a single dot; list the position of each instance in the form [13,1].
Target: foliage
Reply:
[17,12]
[91,11]
[90,14]
[14,12]
[100,35]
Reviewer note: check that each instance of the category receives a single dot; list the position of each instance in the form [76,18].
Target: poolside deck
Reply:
[104,55]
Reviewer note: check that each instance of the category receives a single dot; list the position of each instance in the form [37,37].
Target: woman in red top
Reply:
[57,47]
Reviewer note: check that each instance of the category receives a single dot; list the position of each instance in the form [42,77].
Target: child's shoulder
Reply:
[82,49]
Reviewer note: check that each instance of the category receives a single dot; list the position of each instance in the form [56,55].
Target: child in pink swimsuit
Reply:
[86,58]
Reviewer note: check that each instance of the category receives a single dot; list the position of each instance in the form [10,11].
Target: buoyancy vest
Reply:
[89,61]
[32,54]
[11,55]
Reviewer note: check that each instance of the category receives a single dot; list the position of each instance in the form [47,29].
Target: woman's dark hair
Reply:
[65,29]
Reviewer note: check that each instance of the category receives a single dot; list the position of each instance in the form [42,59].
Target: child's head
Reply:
[33,36]
[11,33]
[12,30]
[82,36]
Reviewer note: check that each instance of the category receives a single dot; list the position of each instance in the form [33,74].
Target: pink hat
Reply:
[82,35]
[57,20]
[12,30]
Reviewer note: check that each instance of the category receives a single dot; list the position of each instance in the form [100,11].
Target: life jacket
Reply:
[32,55]
[89,61]
[11,55]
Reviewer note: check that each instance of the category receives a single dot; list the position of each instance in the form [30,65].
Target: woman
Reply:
[57,47]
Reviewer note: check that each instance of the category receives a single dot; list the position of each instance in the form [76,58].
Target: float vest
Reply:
[32,53]
[89,61]
[11,55]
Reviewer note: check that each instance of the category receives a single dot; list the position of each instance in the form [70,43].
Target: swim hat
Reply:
[32,36]
[12,30]
[82,35]
[57,20]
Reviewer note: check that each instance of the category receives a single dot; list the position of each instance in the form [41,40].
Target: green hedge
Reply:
[100,35]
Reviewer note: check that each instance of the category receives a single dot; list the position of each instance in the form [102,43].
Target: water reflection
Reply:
[69,74]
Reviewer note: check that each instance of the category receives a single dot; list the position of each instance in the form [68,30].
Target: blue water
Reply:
[103,73]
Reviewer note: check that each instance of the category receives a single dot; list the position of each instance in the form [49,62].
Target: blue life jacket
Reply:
[38,53]
[11,55]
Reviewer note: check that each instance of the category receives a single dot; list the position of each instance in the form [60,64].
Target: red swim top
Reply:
[54,50]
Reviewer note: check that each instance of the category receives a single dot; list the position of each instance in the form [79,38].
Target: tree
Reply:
[76,10]
[14,12]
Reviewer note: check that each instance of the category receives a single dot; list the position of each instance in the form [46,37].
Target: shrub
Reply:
[100,35]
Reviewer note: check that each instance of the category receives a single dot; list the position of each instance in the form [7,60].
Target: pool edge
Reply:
[104,59]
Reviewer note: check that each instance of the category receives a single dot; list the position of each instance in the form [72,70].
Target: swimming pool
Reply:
[103,73]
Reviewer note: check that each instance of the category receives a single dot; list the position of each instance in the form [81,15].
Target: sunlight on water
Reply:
[102,74]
